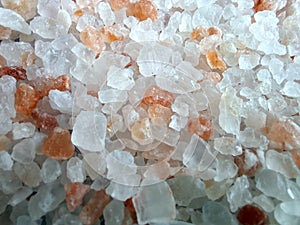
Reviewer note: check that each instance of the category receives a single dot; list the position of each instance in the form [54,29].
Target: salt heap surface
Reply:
[149,112]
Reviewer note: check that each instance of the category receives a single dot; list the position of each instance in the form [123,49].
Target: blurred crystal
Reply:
[75,171]
[114,213]
[28,173]
[24,151]
[23,130]
[6,162]
[50,170]
[14,21]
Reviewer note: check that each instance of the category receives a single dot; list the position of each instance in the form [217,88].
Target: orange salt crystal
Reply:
[5,32]
[15,71]
[252,215]
[74,194]
[26,99]
[44,120]
[116,5]
[78,12]
[201,126]
[201,32]
[143,10]
[215,61]
[91,38]
[113,33]
[91,212]
[58,144]
[156,95]
[159,113]
[261,5]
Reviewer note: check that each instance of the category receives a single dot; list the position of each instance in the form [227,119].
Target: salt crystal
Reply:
[249,61]
[75,171]
[64,18]
[48,8]
[177,122]
[291,89]
[202,17]
[50,171]
[47,27]
[179,106]
[226,168]
[20,196]
[14,21]
[96,161]
[119,191]
[143,32]
[9,182]
[28,173]
[141,132]
[218,189]
[186,22]
[186,188]
[23,130]
[228,146]
[114,213]
[106,14]
[217,214]
[61,100]
[283,216]
[239,195]
[256,120]
[121,79]
[24,151]
[154,203]
[6,162]
[84,53]
[252,139]
[74,194]
[112,95]
[282,163]
[89,131]
[100,183]
[264,202]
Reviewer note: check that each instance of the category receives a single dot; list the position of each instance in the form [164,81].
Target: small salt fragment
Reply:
[154,203]
[119,191]
[217,214]
[114,213]
[180,106]
[186,188]
[143,10]
[28,173]
[106,14]
[24,151]
[284,216]
[91,38]
[61,100]
[50,170]
[58,144]
[226,168]
[228,146]
[26,99]
[291,89]
[20,196]
[121,79]
[218,189]
[15,71]
[156,95]
[239,194]
[264,202]
[252,215]
[75,170]
[48,9]
[9,182]
[249,61]
[14,21]
[100,183]
[89,131]
[112,95]
[91,212]
[6,162]
[202,126]
[22,130]
[177,122]
[250,138]
[141,132]
[64,18]
[74,194]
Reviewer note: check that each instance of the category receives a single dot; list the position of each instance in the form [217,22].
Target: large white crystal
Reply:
[50,171]
[14,21]
[249,61]
[154,204]
[24,151]
[23,130]
[89,131]
[61,100]
[121,79]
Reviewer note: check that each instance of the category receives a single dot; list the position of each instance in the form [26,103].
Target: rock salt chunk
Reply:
[121,79]
[250,138]
[89,131]
[14,21]
[207,15]
[5,161]
[228,146]
[23,130]
[24,151]
[28,173]
[143,32]
[75,170]
[74,194]
[84,53]
[249,61]
[112,95]
[226,168]
[154,204]
[20,196]
[239,195]
[106,14]
[61,100]
[48,8]
[120,192]
[9,182]
[64,18]
[283,216]
[264,202]
[50,171]
[114,213]
[291,89]
[177,122]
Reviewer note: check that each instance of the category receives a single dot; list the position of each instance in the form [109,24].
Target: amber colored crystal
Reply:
[26,99]
[159,113]
[261,5]
[202,126]
[2,61]
[215,61]
[44,120]
[116,5]
[91,212]
[74,194]
[5,32]
[143,10]
[156,95]
[113,33]
[91,37]
[201,32]
[15,71]
[129,205]
[58,144]
[252,215]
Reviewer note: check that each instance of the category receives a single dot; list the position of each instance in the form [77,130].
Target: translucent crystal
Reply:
[112,95]
[24,151]
[106,14]
[74,194]
[48,8]
[154,203]
[75,170]
[61,100]
[28,173]
[120,192]
[249,61]
[114,213]
[264,202]
[14,21]
[50,170]
[227,146]
[20,196]
[23,130]
[6,162]
[121,79]
[226,168]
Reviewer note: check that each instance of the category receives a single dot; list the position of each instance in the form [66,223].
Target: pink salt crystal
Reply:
[116,5]
[284,134]
[44,120]
[159,114]
[261,5]
[215,61]
[143,10]
[202,126]
[201,32]
[113,33]
[91,212]
[240,161]
[58,144]
[91,37]
[5,32]
[141,131]
[26,99]
[74,194]
[15,71]
[156,95]
[27,9]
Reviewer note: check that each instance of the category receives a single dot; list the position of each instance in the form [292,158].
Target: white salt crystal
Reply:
[29,173]
[250,138]
[114,213]
[20,196]
[291,89]
[9,182]
[106,14]
[143,32]
[48,8]
[186,22]
[154,204]
[75,170]
[264,202]
[64,18]
[249,61]
[239,195]
[89,131]
[14,21]
[22,130]
[112,95]
[177,122]
[256,119]
[5,161]
[207,15]
[228,146]
[119,191]
[24,151]
[121,79]
[88,20]
[50,171]
[84,53]
[47,27]
[96,161]
[179,106]
[61,100]
[226,168]
[283,216]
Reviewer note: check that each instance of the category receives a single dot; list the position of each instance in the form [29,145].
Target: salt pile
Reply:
[150,112]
